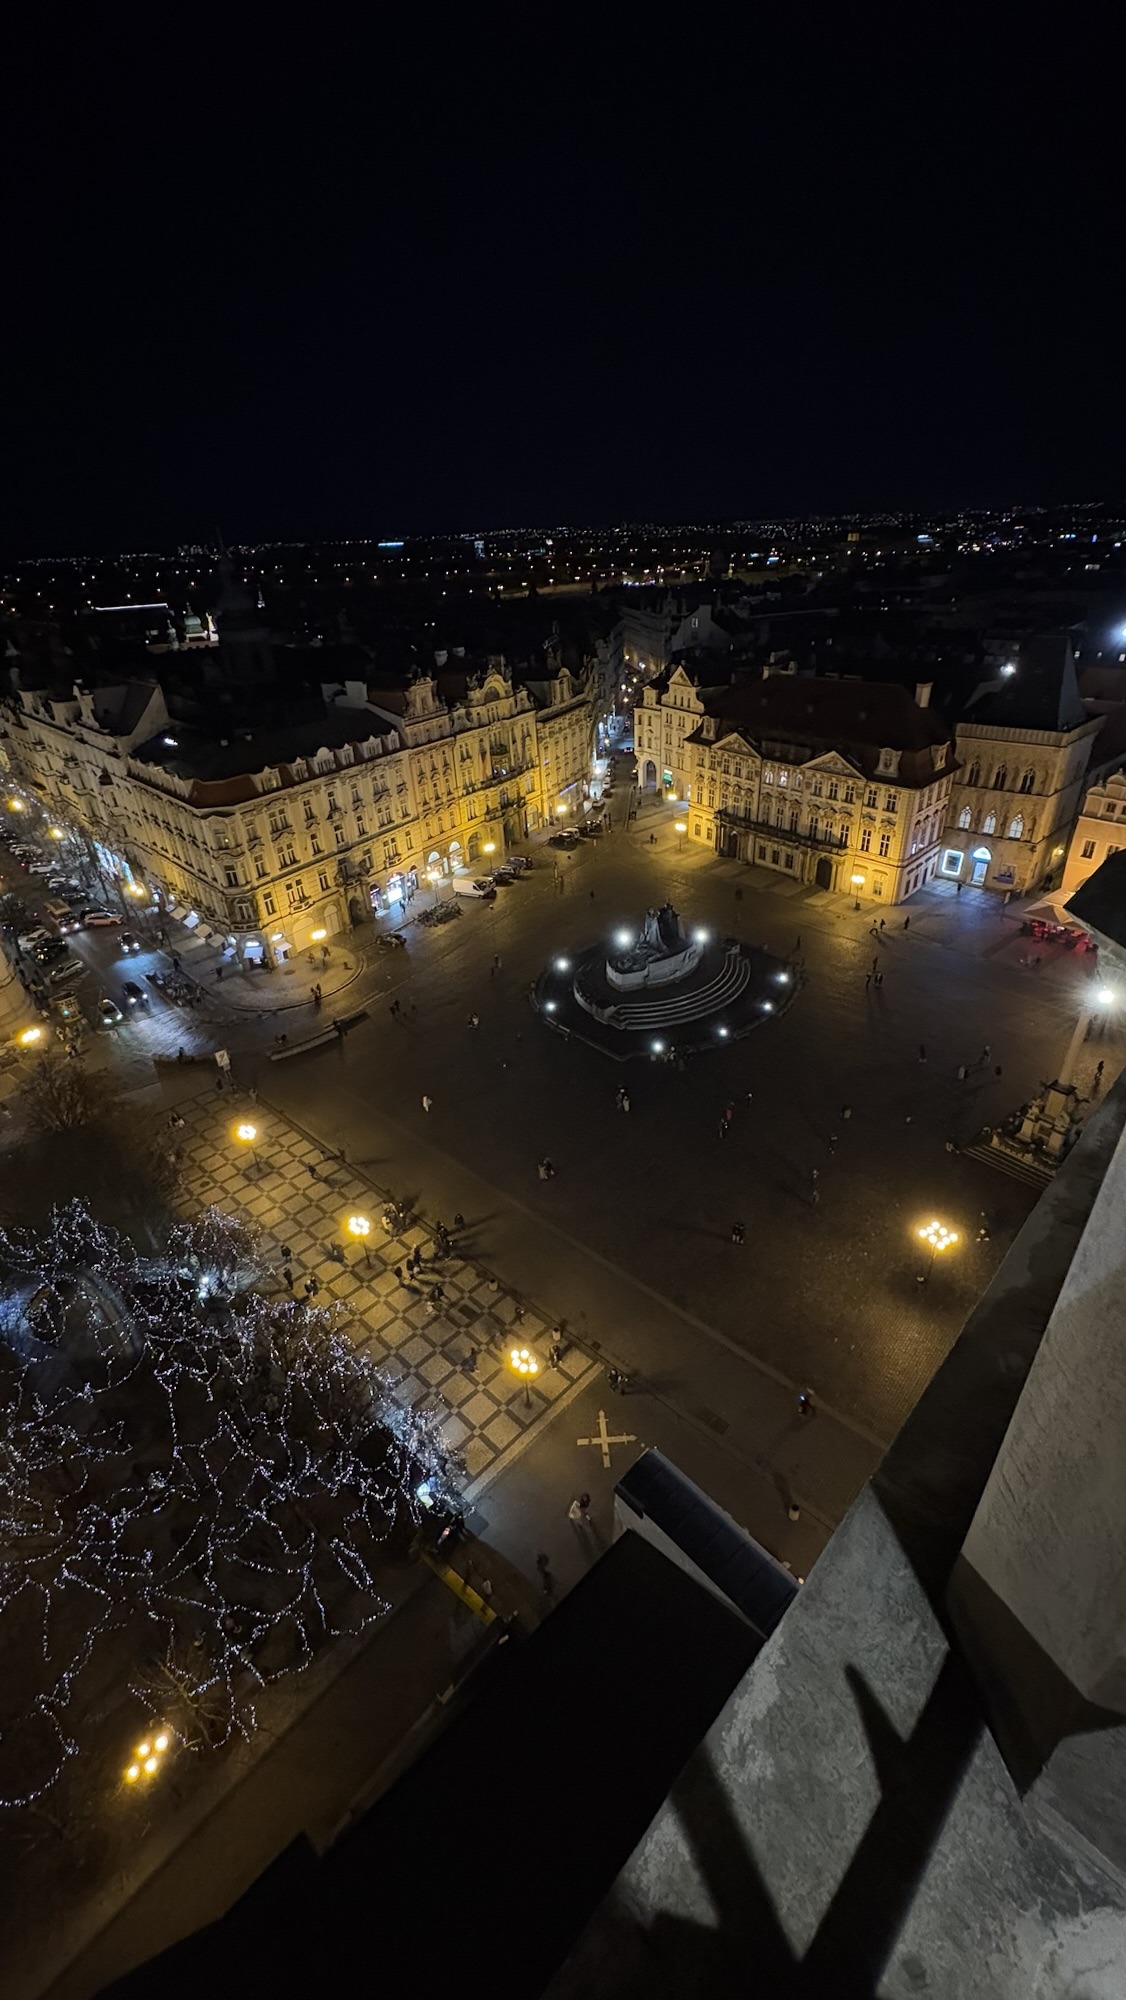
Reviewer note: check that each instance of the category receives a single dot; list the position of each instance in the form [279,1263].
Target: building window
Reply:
[891,802]
[789,859]
[322,879]
[269,905]
[877,885]
[231,875]
[1028,781]
[761,851]
[341,835]
[870,798]
[1000,779]
[850,795]
[783,778]
[965,818]
[865,840]
[767,777]
[1016,827]
[973,775]
[989,823]
[834,789]
[885,845]
[952,861]
[1087,850]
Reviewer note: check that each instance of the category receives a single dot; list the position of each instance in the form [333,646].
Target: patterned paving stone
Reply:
[423,1351]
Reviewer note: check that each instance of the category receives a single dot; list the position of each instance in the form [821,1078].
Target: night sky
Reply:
[489,268]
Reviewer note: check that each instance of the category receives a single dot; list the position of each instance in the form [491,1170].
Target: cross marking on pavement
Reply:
[604,1439]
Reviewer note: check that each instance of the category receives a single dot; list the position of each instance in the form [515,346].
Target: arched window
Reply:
[973,775]
[1028,781]
[989,823]
[1016,827]
[1000,779]
[965,817]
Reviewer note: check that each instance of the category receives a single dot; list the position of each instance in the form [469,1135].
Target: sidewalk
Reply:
[288,986]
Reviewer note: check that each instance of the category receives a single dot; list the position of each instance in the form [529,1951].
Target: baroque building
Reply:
[837,783]
[287,829]
[1023,744]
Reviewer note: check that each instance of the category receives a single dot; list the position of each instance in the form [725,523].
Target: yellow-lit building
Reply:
[277,833]
[836,783]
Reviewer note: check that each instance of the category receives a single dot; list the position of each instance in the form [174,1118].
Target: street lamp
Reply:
[433,876]
[857,884]
[490,847]
[319,935]
[523,1363]
[57,833]
[360,1228]
[680,826]
[147,1757]
[247,1134]
[937,1237]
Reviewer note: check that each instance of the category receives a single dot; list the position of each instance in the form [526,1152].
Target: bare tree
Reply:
[59,1094]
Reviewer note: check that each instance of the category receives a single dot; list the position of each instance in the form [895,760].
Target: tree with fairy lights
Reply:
[197,1483]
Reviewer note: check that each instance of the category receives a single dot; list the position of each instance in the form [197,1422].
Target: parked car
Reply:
[502,878]
[30,939]
[61,914]
[49,949]
[392,941]
[520,861]
[133,995]
[92,918]
[563,840]
[128,942]
[65,970]
[109,1014]
[464,886]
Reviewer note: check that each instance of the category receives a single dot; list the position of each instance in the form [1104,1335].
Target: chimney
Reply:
[923,692]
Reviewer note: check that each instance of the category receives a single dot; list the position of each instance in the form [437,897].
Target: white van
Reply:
[465,885]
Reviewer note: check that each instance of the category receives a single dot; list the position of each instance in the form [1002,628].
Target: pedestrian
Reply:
[312,1287]
[426,1101]
[957,888]
[846,1111]
[287,1254]
[879,980]
[324,954]
[738,1233]
[398,1271]
[867,981]
[922,1052]
[906,923]
[832,1144]
[546,1170]
[180,1056]
[459,1220]
[881,923]
[624,1100]
[728,1113]
[577,1512]
[984,1056]
[997,1069]
[469,1362]
[310,1169]
[723,1128]
[547,1581]
[963,1072]
[797,944]
[873,929]
[336,1252]
[815,1197]
[816,1175]
[287,1277]
[592,895]
[218,972]
[1099,1068]
[805,1403]
[496,961]
[875,963]
[614,1379]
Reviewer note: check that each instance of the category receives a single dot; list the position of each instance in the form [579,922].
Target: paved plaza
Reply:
[846,1122]
[455,1353]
